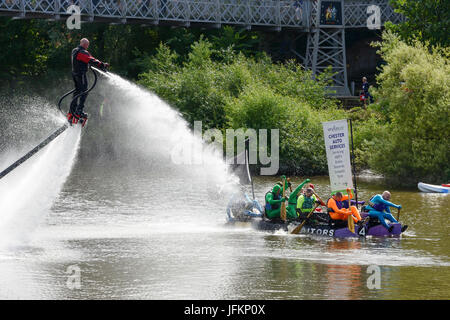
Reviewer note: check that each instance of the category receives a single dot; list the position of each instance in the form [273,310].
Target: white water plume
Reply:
[28,192]
[156,135]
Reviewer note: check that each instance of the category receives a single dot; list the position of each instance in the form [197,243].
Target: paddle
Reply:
[300,226]
[283,205]
[398,215]
[351,223]
[318,198]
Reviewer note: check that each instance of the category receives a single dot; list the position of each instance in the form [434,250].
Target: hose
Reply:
[78,95]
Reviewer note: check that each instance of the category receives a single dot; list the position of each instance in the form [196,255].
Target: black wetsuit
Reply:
[81,58]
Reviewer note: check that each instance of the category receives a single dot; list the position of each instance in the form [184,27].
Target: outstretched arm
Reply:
[387,203]
[293,195]
[88,58]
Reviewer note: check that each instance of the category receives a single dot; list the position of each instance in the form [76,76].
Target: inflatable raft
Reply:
[321,229]
[245,212]
[432,188]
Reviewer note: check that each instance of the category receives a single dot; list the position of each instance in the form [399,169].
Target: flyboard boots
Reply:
[78,116]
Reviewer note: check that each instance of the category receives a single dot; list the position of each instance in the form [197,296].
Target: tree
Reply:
[413,90]
[426,20]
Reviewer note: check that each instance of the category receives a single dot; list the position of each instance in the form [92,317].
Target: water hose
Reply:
[78,95]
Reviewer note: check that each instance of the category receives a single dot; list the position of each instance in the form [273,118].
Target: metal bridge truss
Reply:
[247,13]
[325,44]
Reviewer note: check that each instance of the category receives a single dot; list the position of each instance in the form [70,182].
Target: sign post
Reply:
[336,136]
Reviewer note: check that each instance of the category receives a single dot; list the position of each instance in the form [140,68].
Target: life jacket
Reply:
[307,204]
[269,206]
[377,206]
[339,204]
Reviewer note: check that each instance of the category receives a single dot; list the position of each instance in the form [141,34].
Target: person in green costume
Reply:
[274,199]
[291,209]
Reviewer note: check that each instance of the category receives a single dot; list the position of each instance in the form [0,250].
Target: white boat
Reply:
[425,187]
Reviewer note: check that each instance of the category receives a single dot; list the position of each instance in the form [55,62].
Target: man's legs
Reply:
[390,217]
[380,216]
[83,87]
[78,90]
[272,214]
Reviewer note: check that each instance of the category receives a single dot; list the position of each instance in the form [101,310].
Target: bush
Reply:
[414,90]
[228,90]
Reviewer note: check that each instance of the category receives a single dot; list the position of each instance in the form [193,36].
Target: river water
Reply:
[138,226]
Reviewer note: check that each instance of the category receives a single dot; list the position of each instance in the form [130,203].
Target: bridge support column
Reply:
[326,43]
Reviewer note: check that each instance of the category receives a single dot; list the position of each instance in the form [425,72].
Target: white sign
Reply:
[338,154]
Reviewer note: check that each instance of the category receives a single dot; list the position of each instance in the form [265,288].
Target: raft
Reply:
[432,188]
[250,214]
[319,229]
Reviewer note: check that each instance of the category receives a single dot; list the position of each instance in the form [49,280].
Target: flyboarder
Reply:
[81,59]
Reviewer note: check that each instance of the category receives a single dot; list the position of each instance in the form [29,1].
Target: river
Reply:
[138,226]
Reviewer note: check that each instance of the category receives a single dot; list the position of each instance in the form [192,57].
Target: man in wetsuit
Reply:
[379,208]
[81,59]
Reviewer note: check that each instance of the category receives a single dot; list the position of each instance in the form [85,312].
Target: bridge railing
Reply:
[242,12]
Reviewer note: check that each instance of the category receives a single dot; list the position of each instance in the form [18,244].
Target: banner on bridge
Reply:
[338,154]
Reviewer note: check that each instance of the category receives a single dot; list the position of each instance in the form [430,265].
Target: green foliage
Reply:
[224,89]
[414,90]
[33,47]
[239,40]
[426,20]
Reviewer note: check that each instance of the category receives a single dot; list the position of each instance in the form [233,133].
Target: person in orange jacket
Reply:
[338,207]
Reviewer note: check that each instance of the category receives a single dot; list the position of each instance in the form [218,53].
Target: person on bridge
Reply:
[338,208]
[378,207]
[81,59]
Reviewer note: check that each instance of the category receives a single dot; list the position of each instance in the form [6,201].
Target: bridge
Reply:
[324,22]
